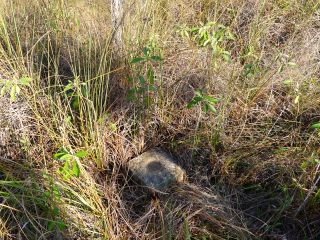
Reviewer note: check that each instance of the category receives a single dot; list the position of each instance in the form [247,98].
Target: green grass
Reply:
[251,161]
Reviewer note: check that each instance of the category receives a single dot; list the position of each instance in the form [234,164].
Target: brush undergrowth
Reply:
[231,88]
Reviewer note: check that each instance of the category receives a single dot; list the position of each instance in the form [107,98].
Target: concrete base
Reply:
[156,170]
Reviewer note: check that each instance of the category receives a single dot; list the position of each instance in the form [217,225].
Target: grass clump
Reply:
[231,88]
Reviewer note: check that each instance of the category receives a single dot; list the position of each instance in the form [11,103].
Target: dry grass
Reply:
[252,166]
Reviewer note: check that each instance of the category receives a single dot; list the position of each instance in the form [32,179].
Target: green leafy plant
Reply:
[144,83]
[70,165]
[58,223]
[13,87]
[211,34]
[250,70]
[206,101]
[53,196]
[288,82]
[74,91]
[147,56]
[316,126]
[311,162]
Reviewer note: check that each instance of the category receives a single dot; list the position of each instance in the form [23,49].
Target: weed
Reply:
[13,87]
[70,162]
[145,85]
[53,197]
[211,34]
[256,148]
[206,101]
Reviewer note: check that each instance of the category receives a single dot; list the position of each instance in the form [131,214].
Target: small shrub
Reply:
[144,83]
[211,34]
[70,162]
[206,101]
[13,88]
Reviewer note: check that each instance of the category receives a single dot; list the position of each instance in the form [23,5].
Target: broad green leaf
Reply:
[67,120]
[156,58]
[132,94]
[194,101]
[75,102]
[226,56]
[56,192]
[62,150]
[206,107]
[198,99]
[194,29]
[316,125]
[51,225]
[60,153]
[145,51]
[78,22]
[58,156]
[70,93]
[211,108]
[61,225]
[47,194]
[25,81]
[55,211]
[81,154]
[75,168]
[140,90]
[152,88]
[198,93]
[150,75]
[113,127]
[211,99]
[65,171]
[130,79]
[191,104]
[137,60]
[68,87]
[142,80]
[66,157]
[287,82]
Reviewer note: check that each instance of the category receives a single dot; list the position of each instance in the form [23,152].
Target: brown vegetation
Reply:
[252,166]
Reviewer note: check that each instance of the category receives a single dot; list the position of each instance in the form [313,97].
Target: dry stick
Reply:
[309,193]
